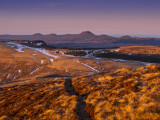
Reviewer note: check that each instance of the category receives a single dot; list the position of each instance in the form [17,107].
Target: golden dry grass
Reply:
[47,101]
[139,49]
[29,61]
[122,95]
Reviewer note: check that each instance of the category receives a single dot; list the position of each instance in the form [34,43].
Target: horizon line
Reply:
[112,35]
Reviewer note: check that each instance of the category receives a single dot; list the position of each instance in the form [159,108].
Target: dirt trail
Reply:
[81,112]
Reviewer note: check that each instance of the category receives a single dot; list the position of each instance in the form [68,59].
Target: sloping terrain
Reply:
[124,94]
[39,83]
[21,64]
[150,54]
[143,50]
[47,101]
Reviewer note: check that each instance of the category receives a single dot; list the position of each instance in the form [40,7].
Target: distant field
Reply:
[21,64]
[152,50]
[149,54]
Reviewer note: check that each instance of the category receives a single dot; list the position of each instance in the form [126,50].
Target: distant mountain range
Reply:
[85,39]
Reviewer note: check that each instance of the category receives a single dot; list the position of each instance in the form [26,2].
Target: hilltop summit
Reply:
[84,39]
[37,34]
[126,37]
[86,33]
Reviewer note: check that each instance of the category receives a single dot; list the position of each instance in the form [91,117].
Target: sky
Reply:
[111,17]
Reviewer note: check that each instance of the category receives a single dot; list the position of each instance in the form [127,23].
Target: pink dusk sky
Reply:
[112,17]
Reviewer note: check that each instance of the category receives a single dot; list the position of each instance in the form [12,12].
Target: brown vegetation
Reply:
[47,101]
[17,67]
[152,50]
[115,94]
[125,94]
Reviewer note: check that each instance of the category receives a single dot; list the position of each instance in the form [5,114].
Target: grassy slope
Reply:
[139,50]
[47,101]
[125,94]
[16,67]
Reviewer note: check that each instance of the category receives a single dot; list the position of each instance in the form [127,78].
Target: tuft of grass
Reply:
[124,94]
[48,101]
[120,95]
